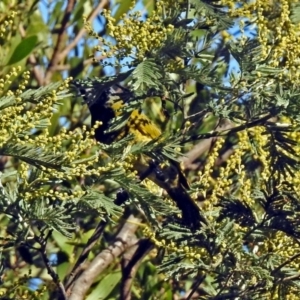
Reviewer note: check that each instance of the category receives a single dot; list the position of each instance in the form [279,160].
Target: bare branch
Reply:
[59,54]
[225,132]
[285,263]
[196,286]
[56,57]
[130,263]
[203,146]
[85,63]
[223,157]
[85,252]
[124,239]
[43,242]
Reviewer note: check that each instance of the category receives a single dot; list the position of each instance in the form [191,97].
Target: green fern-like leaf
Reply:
[146,76]
[34,156]
[55,217]
[100,202]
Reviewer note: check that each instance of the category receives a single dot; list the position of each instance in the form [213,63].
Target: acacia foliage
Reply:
[59,186]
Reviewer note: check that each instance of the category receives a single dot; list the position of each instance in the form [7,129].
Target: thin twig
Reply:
[130,263]
[224,157]
[238,295]
[196,286]
[59,56]
[222,289]
[84,254]
[290,278]
[203,146]
[43,242]
[86,62]
[225,132]
[285,263]
[56,57]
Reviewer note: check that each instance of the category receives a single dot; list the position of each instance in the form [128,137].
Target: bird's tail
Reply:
[170,178]
[191,214]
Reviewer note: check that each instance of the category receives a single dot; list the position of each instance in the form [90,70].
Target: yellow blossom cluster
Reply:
[6,22]
[278,35]
[7,26]
[133,37]
[191,253]
[265,159]
[174,65]
[19,121]
[287,248]
[233,174]
[235,168]
[295,136]
[283,245]
[12,123]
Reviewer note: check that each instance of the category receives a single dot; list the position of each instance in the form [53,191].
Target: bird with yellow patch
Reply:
[105,105]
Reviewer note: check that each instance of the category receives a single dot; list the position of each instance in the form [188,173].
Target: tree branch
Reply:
[196,286]
[225,132]
[85,252]
[58,54]
[203,146]
[285,263]
[130,263]
[43,242]
[56,57]
[124,239]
